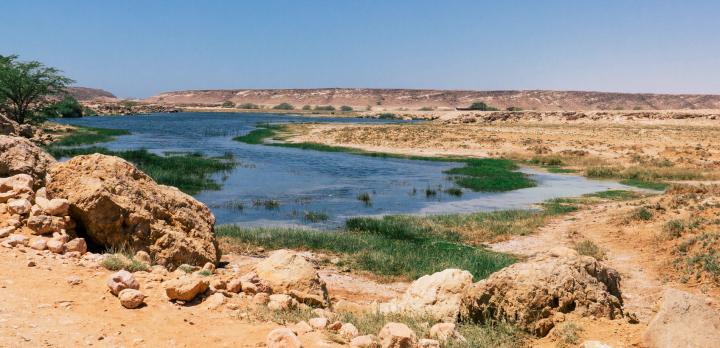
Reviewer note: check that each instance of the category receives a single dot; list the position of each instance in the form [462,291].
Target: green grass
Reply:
[88,135]
[409,246]
[189,172]
[642,213]
[615,195]
[116,262]
[483,175]
[651,185]
[315,216]
[588,248]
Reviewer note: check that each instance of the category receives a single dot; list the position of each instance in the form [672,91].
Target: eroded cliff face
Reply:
[361,98]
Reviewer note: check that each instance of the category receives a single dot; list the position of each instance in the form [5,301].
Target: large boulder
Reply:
[8,126]
[117,205]
[20,156]
[530,294]
[439,295]
[684,320]
[289,272]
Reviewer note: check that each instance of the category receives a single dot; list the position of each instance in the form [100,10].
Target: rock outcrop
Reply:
[20,156]
[439,295]
[115,205]
[530,294]
[289,272]
[684,320]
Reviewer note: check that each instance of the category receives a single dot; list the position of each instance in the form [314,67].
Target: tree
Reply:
[481,106]
[26,86]
[228,104]
[66,108]
[346,108]
[283,106]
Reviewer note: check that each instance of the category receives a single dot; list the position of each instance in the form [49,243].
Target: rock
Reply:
[214,301]
[56,246]
[282,338]
[334,326]
[529,294]
[445,332]
[16,186]
[289,272]
[20,206]
[396,335]
[6,231]
[31,263]
[74,280]
[683,320]
[131,298]
[185,288]
[261,298]
[218,284]
[38,243]
[302,328]
[16,239]
[348,331]
[439,295]
[235,285]
[249,283]
[594,344]
[118,205]
[53,207]
[318,323]
[122,280]
[428,343]
[143,257]
[21,156]
[76,245]
[44,224]
[209,267]
[282,302]
[40,193]
[366,341]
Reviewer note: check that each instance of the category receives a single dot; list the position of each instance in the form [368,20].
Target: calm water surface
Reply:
[305,181]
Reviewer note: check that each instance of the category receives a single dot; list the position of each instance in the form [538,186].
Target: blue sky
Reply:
[137,48]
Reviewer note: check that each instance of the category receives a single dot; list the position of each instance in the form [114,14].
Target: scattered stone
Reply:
[283,338]
[528,294]
[396,335]
[76,245]
[428,343]
[185,288]
[218,284]
[6,231]
[214,301]
[16,239]
[318,323]
[53,207]
[20,156]
[439,295]
[302,328]
[55,246]
[445,332]
[45,224]
[684,320]
[289,272]
[131,298]
[74,280]
[594,344]
[38,243]
[235,285]
[209,267]
[348,331]
[261,298]
[143,257]
[251,284]
[366,341]
[31,264]
[122,280]
[20,206]
[334,326]
[118,205]
[282,302]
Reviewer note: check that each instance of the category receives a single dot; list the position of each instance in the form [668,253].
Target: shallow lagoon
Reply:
[323,183]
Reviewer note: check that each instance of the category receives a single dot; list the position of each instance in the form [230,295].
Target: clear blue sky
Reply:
[137,48]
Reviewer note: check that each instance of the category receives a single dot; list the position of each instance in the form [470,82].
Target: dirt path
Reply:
[640,286]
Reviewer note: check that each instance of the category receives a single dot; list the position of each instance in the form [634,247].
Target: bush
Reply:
[514,108]
[66,108]
[588,248]
[324,108]
[427,108]
[481,106]
[674,228]
[248,106]
[643,213]
[228,104]
[346,108]
[283,106]
[306,107]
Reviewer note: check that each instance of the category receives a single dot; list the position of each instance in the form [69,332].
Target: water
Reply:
[304,181]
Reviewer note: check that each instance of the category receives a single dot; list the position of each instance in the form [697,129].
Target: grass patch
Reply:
[651,185]
[315,216]
[189,172]
[615,195]
[588,248]
[647,177]
[454,191]
[642,213]
[409,246]
[82,135]
[116,262]
[259,135]
[674,228]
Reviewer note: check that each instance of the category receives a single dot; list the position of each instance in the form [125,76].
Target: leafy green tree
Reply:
[481,106]
[66,108]
[25,87]
[324,108]
[283,106]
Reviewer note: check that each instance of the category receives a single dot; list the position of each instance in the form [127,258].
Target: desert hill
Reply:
[90,94]
[361,98]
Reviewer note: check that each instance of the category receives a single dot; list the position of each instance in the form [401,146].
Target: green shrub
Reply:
[283,106]
[588,248]
[514,108]
[250,106]
[68,107]
[674,228]
[324,108]
[306,107]
[482,106]
[346,108]
[228,104]
[642,213]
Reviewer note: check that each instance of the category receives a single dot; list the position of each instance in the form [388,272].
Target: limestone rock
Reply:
[20,206]
[348,331]
[38,243]
[44,224]
[684,320]
[396,335]
[289,272]
[6,231]
[131,298]
[282,302]
[445,332]
[439,295]
[20,156]
[76,245]
[143,257]
[56,246]
[318,323]
[53,207]
[428,343]
[122,280]
[302,327]
[214,301]
[16,239]
[594,344]
[283,338]
[366,341]
[185,288]
[529,294]
[261,298]
[118,205]
[15,187]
